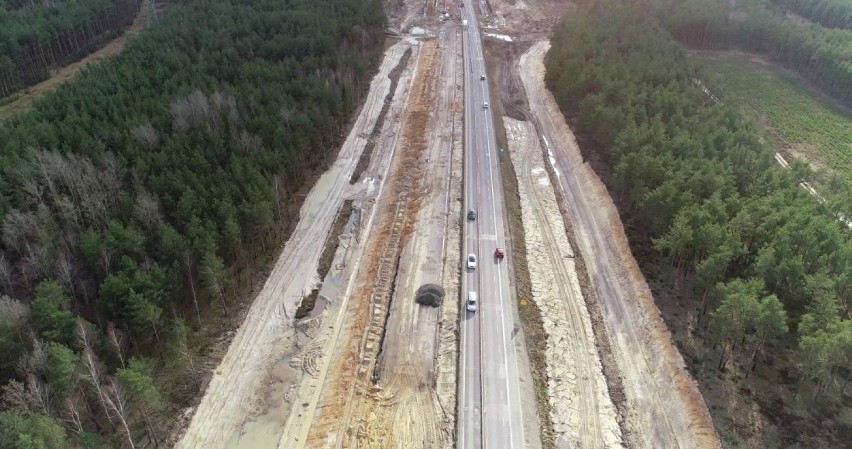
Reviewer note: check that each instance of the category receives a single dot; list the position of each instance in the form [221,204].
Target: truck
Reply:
[464,23]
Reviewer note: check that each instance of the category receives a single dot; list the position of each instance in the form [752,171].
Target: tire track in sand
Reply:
[581,410]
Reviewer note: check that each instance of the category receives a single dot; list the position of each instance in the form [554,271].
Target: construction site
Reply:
[375,362]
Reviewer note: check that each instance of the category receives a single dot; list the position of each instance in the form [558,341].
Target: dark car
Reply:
[471,214]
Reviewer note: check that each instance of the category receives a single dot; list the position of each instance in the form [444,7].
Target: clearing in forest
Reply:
[800,124]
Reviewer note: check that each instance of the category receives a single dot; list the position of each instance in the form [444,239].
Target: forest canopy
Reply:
[829,13]
[36,36]
[128,195]
[770,265]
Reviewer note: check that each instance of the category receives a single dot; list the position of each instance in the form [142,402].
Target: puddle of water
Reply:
[322,190]
[266,430]
[350,224]
[259,434]
[319,306]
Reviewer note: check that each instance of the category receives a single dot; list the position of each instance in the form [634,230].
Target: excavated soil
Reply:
[379,393]
[328,251]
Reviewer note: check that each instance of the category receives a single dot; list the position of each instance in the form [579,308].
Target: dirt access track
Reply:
[664,408]
[63,74]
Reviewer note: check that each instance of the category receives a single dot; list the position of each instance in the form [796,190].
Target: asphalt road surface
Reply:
[490,400]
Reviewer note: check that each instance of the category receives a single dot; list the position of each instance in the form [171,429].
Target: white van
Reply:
[471,301]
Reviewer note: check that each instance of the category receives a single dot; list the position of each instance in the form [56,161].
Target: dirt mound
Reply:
[430,295]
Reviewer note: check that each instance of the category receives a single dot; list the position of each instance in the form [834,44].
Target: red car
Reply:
[498,253]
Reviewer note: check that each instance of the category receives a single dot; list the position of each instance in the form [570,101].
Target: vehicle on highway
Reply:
[471,301]
[498,253]
[482,77]
[485,105]
[471,261]
[471,214]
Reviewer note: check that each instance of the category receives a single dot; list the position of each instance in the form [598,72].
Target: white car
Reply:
[471,261]
[485,105]
[471,302]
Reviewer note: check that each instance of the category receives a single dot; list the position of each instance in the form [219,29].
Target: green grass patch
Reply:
[797,120]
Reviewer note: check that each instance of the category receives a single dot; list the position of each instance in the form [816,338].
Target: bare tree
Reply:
[189,265]
[115,399]
[83,336]
[190,111]
[65,271]
[147,211]
[197,109]
[106,260]
[12,309]
[16,397]
[72,410]
[247,142]
[5,272]
[69,211]
[35,262]
[116,340]
[39,392]
[225,105]
[276,183]
[47,164]
[184,352]
[93,372]
[33,361]
[31,187]
[30,397]
[77,189]
[148,135]
[19,228]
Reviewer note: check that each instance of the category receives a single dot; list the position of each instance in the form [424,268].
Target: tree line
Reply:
[828,13]
[819,54]
[35,37]
[131,197]
[770,266]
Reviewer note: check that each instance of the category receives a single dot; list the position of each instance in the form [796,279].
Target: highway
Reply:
[489,394]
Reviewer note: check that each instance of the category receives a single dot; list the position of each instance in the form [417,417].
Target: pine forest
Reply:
[128,196]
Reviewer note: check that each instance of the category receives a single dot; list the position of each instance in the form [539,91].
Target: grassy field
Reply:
[800,123]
